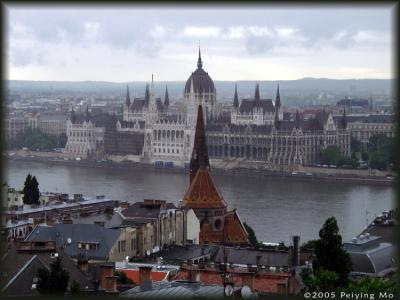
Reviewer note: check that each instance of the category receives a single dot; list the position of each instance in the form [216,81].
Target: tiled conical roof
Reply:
[203,192]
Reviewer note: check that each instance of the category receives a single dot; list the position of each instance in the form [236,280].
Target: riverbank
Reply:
[317,175]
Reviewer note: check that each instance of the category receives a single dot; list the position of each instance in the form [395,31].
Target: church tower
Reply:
[217,225]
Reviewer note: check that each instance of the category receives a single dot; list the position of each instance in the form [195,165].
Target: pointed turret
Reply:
[199,61]
[344,119]
[257,92]
[128,98]
[278,98]
[73,116]
[147,93]
[235,98]
[199,158]
[297,119]
[151,91]
[166,98]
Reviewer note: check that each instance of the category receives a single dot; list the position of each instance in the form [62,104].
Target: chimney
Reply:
[111,283]
[108,282]
[248,280]
[193,274]
[144,275]
[296,250]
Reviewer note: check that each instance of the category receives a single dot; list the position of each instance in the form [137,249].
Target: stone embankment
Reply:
[233,167]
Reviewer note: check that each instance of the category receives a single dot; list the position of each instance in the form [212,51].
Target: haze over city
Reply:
[129,43]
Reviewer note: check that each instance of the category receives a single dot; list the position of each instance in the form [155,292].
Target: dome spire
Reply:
[199,61]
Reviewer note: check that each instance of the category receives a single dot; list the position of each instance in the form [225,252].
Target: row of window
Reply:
[173,151]
[162,134]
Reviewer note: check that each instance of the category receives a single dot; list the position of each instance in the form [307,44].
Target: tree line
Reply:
[36,139]
[380,154]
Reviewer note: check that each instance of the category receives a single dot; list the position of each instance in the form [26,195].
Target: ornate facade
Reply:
[169,137]
[255,130]
[85,135]
[256,111]
[284,145]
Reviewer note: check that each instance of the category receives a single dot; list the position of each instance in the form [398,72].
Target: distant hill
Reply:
[301,89]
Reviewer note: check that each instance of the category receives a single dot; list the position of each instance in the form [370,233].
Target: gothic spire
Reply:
[297,119]
[128,99]
[73,116]
[257,92]
[199,158]
[199,61]
[276,120]
[166,98]
[344,119]
[278,98]
[235,98]
[147,93]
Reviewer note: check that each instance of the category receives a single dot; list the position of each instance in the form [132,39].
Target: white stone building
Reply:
[14,198]
[169,138]
[85,137]
[256,111]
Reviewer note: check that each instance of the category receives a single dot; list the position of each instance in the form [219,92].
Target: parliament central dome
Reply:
[202,82]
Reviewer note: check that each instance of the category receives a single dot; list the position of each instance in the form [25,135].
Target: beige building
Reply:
[52,124]
[363,127]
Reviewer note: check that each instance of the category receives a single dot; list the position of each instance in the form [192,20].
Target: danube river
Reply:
[275,207]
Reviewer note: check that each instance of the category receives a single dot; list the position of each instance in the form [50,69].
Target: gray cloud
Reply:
[35,33]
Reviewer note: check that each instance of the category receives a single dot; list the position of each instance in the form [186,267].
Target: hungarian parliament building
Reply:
[254,130]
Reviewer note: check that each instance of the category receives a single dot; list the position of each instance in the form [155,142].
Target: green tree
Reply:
[330,254]
[355,145]
[320,281]
[331,155]
[31,190]
[33,139]
[252,235]
[309,245]
[372,285]
[75,287]
[122,278]
[53,281]
[378,160]
[381,152]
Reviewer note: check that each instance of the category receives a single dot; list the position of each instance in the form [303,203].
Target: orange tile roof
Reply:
[203,192]
[264,282]
[134,275]
[233,232]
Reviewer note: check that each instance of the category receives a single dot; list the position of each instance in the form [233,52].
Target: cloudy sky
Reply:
[238,43]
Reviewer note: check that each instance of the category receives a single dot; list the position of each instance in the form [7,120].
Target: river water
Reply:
[275,207]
